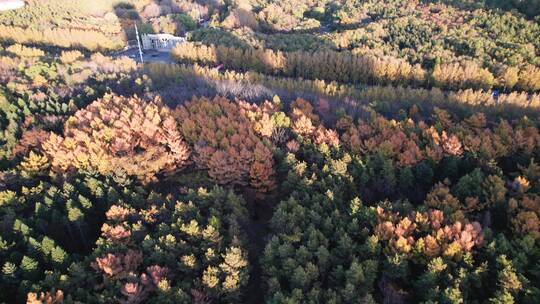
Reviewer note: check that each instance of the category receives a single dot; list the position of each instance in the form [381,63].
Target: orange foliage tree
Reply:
[427,233]
[393,138]
[128,134]
[225,143]
[307,124]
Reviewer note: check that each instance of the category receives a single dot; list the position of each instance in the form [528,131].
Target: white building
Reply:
[7,5]
[160,42]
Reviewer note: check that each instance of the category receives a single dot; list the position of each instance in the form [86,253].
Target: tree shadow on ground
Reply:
[177,87]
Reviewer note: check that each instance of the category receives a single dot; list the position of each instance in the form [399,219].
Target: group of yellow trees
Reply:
[129,135]
[347,67]
[470,75]
[391,94]
[328,65]
[60,37]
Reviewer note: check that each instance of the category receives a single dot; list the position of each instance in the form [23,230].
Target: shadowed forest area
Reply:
[329,151]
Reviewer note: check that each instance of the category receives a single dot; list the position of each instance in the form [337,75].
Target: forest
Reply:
[289,152]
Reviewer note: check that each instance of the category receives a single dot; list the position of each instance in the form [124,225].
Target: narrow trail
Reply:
[257,230]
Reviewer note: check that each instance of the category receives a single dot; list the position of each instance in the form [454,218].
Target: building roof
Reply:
[162,36]
[6,5]
[168,36]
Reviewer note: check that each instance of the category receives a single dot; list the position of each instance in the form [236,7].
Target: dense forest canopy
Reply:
[303,151]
